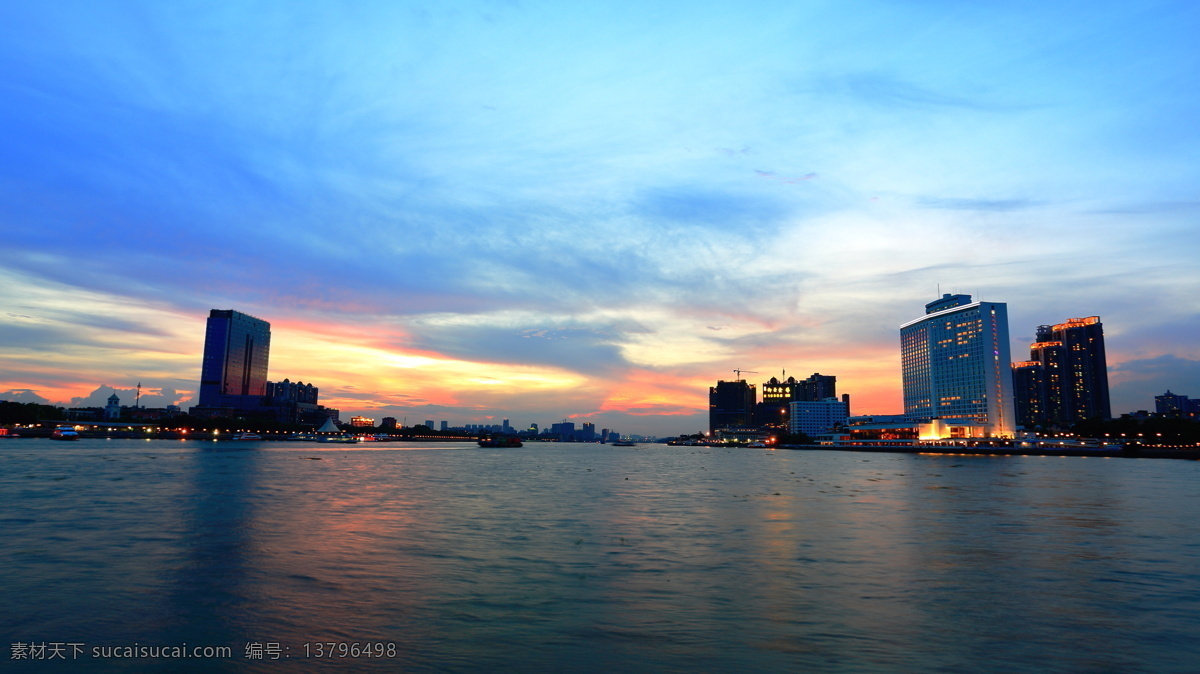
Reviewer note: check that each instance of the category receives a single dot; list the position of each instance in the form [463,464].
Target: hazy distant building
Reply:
[1175,405]
[588,434]
[565,431]
[730,405]
[233,373]
[362,422]
[1070,361]
[956,367]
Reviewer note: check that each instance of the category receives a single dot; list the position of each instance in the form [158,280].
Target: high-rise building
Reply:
[236,350]
[1074,374]
[956,367]
[1029,393]
[730,405]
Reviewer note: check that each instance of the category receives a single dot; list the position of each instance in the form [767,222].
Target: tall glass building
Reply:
[956,367]
[236,350]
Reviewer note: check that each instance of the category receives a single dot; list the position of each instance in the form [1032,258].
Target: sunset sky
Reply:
[473,211]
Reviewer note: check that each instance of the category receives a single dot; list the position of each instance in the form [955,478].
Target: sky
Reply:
[589,211]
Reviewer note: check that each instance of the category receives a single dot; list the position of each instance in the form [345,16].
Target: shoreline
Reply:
[1142,452]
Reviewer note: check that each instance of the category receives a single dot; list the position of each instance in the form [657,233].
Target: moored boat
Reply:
[345,439]
[247,436]
[64,433]
[500,442]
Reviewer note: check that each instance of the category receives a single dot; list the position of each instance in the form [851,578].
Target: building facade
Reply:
[237,348]
[956,366]
[1073,371]
[1029,393]
[731,405]
[813,417]
[778,395]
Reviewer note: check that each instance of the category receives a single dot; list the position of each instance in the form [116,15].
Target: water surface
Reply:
[557,557]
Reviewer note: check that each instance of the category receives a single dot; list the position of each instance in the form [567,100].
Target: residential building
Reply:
[1073,375]
[1029,393]
[731,405]
[956,367]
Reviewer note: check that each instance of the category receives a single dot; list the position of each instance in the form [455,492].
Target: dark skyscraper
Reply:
[1073,372]
[236,350]
[730,404]
[1029,393]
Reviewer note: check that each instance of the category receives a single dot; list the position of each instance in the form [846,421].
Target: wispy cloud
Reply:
[968,204]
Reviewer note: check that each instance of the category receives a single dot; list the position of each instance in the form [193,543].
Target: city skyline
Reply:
[534,212]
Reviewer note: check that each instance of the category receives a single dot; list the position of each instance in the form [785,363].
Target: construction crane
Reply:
[739,373]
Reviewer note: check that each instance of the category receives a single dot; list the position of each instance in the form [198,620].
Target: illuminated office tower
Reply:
[956,366]
[234,370]
[1075,372]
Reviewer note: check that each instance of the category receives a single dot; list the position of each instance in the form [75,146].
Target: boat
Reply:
[247,436]
[624,443]
[64,433]
[343,439]
[7,433]
[296,437]
[500,442]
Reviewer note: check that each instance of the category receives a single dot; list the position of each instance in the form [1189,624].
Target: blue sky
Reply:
[539,211]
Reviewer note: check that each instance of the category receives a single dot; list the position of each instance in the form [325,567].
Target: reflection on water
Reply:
[594,558]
